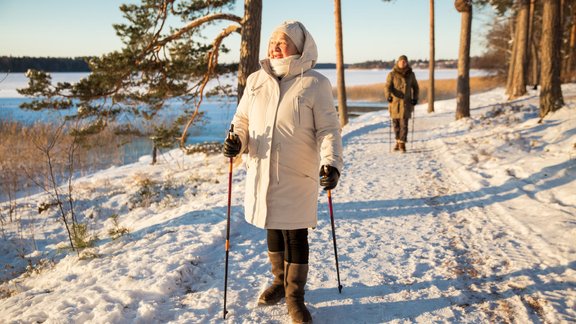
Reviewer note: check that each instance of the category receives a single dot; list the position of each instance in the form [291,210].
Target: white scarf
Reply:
[280,67]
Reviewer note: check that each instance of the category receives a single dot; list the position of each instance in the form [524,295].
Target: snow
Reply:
[475,223]
[9,82]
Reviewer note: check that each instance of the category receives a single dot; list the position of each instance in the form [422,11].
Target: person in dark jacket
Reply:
[402,92]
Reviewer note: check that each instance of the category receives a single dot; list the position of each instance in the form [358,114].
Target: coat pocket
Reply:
[303,114]
[296,111]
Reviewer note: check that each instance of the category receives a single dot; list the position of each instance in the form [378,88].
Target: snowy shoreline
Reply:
[476,223]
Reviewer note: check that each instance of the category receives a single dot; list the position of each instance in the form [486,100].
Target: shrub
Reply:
[81,236]
[117,231]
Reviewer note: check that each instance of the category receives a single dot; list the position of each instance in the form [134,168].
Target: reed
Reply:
[22,158]
[445,89]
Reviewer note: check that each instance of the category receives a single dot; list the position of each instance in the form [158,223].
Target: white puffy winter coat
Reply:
[288,128]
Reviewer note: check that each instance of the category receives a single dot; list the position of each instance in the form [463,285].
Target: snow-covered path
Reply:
[452,231]
[417,243]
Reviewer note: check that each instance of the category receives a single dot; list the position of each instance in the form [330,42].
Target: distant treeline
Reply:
[78,64]
[390,64]
[46,64]
[475,63]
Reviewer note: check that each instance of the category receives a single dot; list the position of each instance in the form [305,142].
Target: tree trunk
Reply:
[342,107]
[561,14]
[154,154]
[517,84]
[432,61]
[535,66]
[533,74]
[249,43]
[550,92]
[463,85]
[512,61]
[569,66]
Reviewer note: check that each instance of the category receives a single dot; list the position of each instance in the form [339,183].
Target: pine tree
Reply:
[158,62]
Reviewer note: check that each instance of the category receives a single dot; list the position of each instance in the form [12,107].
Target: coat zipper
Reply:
[278,163]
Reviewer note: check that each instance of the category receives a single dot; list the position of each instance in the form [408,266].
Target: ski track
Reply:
[417,249]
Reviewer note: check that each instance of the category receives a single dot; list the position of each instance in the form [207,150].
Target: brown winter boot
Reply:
[296,276]
[273,294]
[397,147]
[402,147]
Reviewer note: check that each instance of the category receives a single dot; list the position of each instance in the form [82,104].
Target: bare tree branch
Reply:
[212,64]
[196,23]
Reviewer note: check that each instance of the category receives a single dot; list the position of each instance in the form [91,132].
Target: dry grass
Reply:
[22,160]
[21,157]
[536,304]
[444,89]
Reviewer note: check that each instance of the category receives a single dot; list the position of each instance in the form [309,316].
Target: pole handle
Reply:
[231,132]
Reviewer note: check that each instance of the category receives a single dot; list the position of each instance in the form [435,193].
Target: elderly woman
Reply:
[287,124]
[402,89]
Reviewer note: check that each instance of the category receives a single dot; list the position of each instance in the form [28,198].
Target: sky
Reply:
[373,29]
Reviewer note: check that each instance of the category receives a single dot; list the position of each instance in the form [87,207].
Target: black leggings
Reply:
[294,244]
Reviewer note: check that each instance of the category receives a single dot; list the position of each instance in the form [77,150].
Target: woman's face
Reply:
[402,64]
[281,46]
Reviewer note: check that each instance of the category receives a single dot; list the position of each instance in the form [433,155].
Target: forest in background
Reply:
[12,64]
[17,64]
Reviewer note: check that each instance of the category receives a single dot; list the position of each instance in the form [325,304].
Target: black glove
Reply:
[329,177]
[232,146]
[389,98]
[414,101]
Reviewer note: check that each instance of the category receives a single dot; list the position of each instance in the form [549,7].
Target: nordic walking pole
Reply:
[230,136]
[413,120]
[390,136]
[334,239]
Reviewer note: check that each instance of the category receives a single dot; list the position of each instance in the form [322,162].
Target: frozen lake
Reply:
[14,81]
[217,113]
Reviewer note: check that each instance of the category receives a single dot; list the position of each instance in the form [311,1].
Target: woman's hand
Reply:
[329,177]
[232,146]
